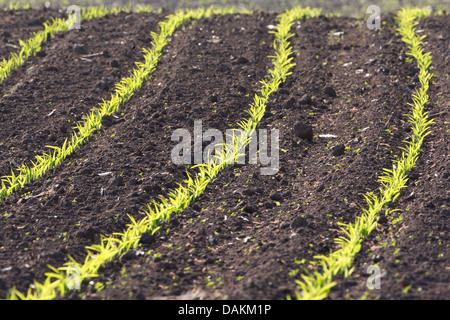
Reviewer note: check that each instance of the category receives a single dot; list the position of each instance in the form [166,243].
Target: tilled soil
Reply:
[252,234]
[135,147]
[413,249]
[18,25]
[44,99]
[249,236]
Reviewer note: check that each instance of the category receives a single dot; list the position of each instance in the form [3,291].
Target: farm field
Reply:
[337,92]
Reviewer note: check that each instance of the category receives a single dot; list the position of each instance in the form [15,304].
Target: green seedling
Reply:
[159,211]
[317,285]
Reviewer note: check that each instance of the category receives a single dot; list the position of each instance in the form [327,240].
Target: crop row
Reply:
[33,44]
[160,211]
[92,122]
[318,284]
[314,286]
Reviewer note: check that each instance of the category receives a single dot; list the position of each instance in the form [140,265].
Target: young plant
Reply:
[318,284]
[159,211]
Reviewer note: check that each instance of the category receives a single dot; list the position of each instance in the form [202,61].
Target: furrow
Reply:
[411,246]
[45,103]
[33,44]
[161,210]
[19,24]
[92,122]
[135,146]
[318,284]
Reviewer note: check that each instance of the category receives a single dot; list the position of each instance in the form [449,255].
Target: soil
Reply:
[249,236]
[417,266]
[41,100]
[18,25]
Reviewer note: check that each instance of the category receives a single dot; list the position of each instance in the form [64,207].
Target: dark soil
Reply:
[44,99]
[18,25]
[417,266]
[248,236]
[256,255]
[130,146]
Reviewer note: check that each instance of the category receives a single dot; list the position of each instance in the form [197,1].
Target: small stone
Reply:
[269,205]
[242,60]
[41,53]
[250,209]
[115,64]
[430,205]
[384,69]
[241,89]
[284,225]
[376,258]
[147,238]
[116,181]
[248,192]
[409,89]
[129,256]
[338,150]
[382,219]
[138,134]
[89,234]
[305,99]
[276,197]
[299,222]
[404,282]
[156,115]
[101,85]
[107,121]
[195,69]
[80,49]
[349,283]
[287,194]
[303,131]
[138,115]
[223,68]
[330,91]
[290,103]
[167,265]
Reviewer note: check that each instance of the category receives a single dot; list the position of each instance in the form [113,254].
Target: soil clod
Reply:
[305,99]
[330,91]
[250,209]
[276,197]
[303,131]
[338,150]
[299,222]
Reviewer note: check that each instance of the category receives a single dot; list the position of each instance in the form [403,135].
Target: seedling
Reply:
[318,284]
[160,211]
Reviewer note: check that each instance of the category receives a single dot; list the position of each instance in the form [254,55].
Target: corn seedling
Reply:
[92,122]
[318,284]
[160,211]
[33,44]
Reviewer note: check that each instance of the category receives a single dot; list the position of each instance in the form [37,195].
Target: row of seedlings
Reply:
[316,286]
[160,211]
